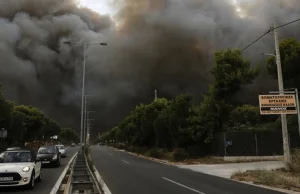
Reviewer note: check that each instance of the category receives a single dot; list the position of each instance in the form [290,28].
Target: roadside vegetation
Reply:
[276,178]
[178,129]
[27,124]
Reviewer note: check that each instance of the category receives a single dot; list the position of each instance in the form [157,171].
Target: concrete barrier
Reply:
[252,158]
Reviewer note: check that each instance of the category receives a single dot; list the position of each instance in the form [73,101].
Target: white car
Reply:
[19,168]
[62,150]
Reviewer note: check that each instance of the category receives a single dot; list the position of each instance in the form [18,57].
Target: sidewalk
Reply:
[226,170]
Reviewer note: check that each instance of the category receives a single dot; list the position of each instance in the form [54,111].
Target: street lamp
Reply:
[85,45]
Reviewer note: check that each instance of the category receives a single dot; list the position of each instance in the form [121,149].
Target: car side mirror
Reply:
[37,160]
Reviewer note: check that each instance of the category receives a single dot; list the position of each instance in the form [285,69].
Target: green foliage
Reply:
[243,117]
[290,58]
[179,154]
[34,121]
[177,123]
[231,72]
[25,123]
[68,135]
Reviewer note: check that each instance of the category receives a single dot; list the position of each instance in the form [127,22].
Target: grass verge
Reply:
[178,156]
[279,178]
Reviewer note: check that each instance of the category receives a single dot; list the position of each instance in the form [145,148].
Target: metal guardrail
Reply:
[82,179]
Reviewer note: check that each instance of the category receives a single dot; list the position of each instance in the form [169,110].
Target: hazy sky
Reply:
[100,6]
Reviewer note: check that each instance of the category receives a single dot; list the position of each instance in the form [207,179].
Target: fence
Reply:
[252,144]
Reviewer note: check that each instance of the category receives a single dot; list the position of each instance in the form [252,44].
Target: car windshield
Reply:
[15,157]
[47,150]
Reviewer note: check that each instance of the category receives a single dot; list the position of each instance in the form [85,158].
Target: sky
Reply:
[100,6]
[106,6]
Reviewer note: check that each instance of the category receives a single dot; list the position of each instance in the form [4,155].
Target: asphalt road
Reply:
[49,177]
[127,174]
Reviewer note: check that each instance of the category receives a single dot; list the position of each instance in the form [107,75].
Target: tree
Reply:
[231,72]
[68,135]
[290,58]
[50,128]
[17,127]
[5,111]
[34,121]
[244,117]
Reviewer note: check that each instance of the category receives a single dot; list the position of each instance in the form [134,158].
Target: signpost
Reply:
[278,104]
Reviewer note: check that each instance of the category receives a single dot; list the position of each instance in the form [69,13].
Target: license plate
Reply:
[46,162]
[6,178]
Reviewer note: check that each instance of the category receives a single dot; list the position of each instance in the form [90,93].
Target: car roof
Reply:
[47,146]
[19,150]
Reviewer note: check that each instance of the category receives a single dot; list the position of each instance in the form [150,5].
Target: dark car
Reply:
[49,155]
[13,148]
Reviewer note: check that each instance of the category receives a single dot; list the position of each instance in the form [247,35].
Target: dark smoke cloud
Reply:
[165,45]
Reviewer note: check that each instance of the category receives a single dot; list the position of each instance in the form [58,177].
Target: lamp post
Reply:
[85,45]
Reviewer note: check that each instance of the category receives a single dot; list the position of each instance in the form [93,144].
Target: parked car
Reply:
[13,148]
[62,150]
[19,168]
[49,155]
[73,145]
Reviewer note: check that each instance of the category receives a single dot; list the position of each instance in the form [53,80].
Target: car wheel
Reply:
[40,177]
[31,184]
[58,163]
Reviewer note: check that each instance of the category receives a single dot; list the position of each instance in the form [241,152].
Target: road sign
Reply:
[277,104]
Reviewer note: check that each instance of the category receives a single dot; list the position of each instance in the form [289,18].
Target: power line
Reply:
[270,30]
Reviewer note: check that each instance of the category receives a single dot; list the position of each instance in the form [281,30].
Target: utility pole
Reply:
[286,148]
[84,123]
[155,95]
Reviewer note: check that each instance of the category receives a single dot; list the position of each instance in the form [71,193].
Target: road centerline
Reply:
[110,154]
[189,188]
[125,161]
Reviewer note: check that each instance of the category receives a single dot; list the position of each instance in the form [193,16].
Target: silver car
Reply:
[62,150]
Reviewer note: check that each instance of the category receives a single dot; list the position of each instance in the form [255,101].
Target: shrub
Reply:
[141,150]
[156,153]
[179,154]
[195,151]
[131,148]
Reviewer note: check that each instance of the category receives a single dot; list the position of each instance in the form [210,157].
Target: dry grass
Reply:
[276,178]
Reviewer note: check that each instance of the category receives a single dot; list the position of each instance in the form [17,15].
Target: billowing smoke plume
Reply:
[152,44]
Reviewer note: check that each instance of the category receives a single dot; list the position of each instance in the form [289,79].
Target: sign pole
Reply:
[286,149]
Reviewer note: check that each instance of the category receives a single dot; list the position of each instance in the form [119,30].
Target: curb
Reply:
[101,181]
[62,176]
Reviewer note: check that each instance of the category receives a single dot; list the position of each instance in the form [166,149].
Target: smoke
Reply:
[152,44]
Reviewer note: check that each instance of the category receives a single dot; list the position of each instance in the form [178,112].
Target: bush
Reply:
[141,150]
[131,148]
[195,151]
[179,154]
[156,153]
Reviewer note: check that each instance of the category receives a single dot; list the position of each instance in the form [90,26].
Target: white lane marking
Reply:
[196,191]
[125,161]
[110,154]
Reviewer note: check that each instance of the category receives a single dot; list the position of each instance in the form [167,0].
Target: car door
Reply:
[58,153]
